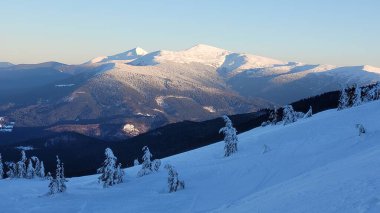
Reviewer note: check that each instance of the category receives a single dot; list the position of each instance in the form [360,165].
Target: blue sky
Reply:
[340,32]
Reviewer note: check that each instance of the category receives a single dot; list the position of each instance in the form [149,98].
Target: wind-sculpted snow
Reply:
[317,164]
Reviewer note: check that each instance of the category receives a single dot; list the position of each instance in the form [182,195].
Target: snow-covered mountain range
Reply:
[317,164]
[134,91]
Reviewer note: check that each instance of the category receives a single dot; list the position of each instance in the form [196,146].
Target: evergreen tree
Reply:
[290,116]
[37,166]
[273,117]
[1,168]
[309,113]
[41,172]
[343,100]
[147,166]
[57,184]
[119,174]
[30,170]
[12,169]
[108,169]
[136,162]
[21,165]
[357,99]
[53,184]
[373,93]
[174,184]
[230,137]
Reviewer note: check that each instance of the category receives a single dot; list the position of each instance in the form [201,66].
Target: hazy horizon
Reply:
[73,32]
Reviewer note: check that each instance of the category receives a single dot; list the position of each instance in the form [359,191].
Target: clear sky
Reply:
[340,32]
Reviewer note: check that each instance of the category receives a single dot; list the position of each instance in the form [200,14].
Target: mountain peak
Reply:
[128,55]
[204,48]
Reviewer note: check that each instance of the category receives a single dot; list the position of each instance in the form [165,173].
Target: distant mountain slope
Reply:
[126,94]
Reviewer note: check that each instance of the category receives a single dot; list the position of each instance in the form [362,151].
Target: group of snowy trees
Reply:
[112,174]
[34,168]
[355,95]
[24,168]
[289,115]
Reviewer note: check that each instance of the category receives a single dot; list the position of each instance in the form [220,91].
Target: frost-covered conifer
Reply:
[309,113]
[21,165]
[12,169]
[290,116]
[1,168]
[136,162]
[174,184]
[57,184]
[343,100]
[230,138]
[273,117]
[108,169]
[30,172]
[373,93]
[53,184]
[361,129]
[41,173]
[62,180]
[147,166]
[119,174]
[357,99]
[37,165]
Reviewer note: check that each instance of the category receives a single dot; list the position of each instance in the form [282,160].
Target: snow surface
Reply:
[319,164]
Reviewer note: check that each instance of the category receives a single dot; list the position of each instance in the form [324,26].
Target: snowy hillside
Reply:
[318,164]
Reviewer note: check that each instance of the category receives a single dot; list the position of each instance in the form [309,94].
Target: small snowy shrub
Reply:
[290,116]
[174,184]
[361,129]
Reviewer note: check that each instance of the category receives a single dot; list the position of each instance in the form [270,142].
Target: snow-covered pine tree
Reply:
[344,99]
[373,93]
[1,168]
[37,166]
[174,184]
[357,99]
[136,162]
[309,113]
[41,173]
[30,172]
[12,169]
[119,174]
[147,166]
[273,117]
[21,165]
[108,169]
[290,115]
[230,138]
[62,179]
[53,184]
[361,129]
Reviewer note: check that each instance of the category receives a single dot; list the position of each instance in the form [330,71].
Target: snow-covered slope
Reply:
[319,164]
